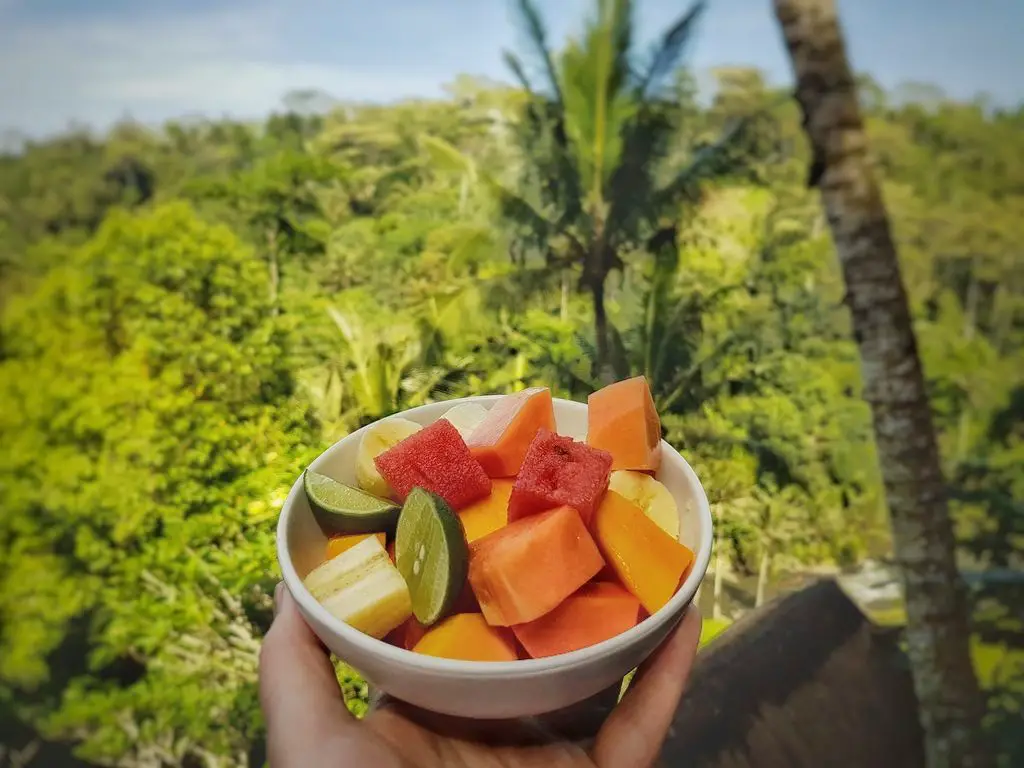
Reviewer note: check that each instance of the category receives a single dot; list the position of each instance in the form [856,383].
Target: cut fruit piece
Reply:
[431,554]
[503,438]
[622,420]
[468,637]
[466,602]
[407,634]
[466,417]
[597,612]
[557,470]
[363,588]
[435,458]
[648,561]
[340,508]
[487,515]
[527,568]
[650,495]
[377,439]
[338,544]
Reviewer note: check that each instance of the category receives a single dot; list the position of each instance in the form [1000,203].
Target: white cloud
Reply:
[214,62]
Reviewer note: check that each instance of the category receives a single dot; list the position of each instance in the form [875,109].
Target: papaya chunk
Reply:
[524,570]
[501,440]
[598,611]
[622,420]
[647,561]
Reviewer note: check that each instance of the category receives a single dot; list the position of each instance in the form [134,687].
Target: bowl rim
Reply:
[672,610]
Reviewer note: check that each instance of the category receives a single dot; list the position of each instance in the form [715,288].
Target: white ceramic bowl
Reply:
[481,690]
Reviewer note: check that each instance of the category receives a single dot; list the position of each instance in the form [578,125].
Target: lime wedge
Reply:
[340,508]
[431,554]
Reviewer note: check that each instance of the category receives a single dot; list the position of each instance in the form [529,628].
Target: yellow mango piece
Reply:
[489,514]
[338,544]
[649,563]
[467,636]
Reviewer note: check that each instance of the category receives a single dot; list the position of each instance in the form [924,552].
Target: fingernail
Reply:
[278,596]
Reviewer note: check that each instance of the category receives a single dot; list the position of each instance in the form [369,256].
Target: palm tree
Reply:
[937,620]
[596,137]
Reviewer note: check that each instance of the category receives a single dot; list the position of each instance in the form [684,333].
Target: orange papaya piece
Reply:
[524,570]
[622,420]
[597,612]
[500,441]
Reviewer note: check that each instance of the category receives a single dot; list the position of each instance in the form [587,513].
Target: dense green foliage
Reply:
[188,315]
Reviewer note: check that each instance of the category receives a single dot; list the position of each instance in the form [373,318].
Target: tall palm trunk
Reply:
[563,314]
[963,432]
[273,272]
[602,364]
[937,631]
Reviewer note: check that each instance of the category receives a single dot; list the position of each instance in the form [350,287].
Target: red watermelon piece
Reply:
[435,458]
[559,471]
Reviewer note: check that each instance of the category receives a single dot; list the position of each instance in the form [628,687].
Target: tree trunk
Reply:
[564,309]
[937,615]
[762,575]
[963,431]
[602,365]
[273,271]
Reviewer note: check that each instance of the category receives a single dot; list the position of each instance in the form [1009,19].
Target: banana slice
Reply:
[465,417]
[376,440]
[650,495]
[363,588]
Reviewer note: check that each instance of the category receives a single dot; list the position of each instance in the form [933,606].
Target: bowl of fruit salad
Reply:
[498,556]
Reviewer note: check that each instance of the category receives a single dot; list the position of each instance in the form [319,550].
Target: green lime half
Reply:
[431,554]
[340,508]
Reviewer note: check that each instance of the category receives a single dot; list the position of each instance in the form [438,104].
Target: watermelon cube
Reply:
[559,471]
[435,458]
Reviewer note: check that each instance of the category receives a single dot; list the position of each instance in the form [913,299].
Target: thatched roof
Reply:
[806,680]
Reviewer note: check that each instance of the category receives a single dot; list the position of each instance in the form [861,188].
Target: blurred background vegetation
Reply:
[190,313]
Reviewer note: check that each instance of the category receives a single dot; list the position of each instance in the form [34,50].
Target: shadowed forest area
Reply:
[190,313]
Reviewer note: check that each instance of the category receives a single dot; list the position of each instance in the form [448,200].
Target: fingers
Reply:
[299,692]
[636,729]
[518,732]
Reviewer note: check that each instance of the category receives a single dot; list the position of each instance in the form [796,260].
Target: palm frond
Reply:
[516,67]
[597,106]
[518,209]
[712,160]
[514,206]
[657,330]
[447,157]
[536,36]
[667,54]
[472,244]
[645,143]
[360,358]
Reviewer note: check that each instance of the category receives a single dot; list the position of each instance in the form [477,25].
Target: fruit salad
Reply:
[487,536]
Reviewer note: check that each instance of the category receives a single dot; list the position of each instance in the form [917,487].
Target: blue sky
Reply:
[95,61]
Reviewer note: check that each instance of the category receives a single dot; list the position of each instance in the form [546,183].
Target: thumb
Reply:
[299,691]
[635,731]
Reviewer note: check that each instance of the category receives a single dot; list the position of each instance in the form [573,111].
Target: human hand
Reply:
[308,724]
